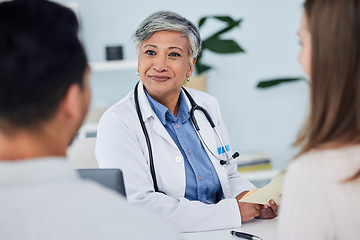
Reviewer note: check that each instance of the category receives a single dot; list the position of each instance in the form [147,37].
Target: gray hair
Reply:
[168,21]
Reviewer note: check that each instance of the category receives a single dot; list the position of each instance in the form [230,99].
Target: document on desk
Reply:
[263,195]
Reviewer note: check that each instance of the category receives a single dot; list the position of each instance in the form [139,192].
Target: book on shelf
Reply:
[253,162]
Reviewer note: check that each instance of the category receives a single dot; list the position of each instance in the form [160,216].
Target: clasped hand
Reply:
[249,211]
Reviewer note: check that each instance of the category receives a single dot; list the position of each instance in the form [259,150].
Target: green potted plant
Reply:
[217,44]
[276,81]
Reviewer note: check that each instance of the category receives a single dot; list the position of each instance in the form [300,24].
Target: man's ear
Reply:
[71,104]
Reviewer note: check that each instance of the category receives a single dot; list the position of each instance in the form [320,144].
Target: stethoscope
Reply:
[194,107]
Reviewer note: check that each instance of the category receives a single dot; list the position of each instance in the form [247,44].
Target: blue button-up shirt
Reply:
[202,181]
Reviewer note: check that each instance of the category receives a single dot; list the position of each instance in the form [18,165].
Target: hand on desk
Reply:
[249,211]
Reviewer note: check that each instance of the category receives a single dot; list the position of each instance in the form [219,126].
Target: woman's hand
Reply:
[248,211]
[268,211]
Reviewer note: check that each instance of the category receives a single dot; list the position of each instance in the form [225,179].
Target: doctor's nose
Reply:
[160,64]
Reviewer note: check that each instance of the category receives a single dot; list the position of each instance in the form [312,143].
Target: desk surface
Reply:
[263,228]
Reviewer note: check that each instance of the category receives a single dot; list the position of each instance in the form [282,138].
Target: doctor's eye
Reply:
[174,54]
[150,52]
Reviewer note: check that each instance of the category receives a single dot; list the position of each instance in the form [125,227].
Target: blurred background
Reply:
[258,120]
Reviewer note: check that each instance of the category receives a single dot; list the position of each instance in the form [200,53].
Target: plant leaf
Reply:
[224,18]
[222,46]
[202,21]
[215,44]
[274,82]
[222,31]
[200,68]
[230,21]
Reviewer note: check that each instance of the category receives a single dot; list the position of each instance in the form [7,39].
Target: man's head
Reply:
[41,60]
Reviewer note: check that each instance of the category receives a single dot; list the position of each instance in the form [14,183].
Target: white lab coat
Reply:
[121,144]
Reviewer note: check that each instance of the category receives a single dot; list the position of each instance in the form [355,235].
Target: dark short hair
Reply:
[40,57]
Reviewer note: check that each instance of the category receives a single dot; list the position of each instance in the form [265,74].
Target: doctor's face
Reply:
[164,64]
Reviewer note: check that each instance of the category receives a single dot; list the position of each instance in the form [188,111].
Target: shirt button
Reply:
[177,126]
[188,151]
[199,177]
[178,159]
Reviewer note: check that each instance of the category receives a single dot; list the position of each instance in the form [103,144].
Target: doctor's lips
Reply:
[159,78]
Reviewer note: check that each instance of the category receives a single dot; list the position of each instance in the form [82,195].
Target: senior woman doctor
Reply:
[190,187]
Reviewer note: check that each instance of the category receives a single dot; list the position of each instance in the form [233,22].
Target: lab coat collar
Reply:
[145,106]
[146,110]
[159,109]
[199,101]
[148,113]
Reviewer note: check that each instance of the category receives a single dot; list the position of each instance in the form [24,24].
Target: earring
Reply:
[138,74]
[188,79]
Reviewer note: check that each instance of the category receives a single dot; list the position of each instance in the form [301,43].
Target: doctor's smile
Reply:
[159,78]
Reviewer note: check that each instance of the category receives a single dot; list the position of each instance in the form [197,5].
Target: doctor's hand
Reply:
[248,211]
[268,211]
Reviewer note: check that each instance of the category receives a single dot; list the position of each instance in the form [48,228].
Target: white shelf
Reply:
[113,65]
[260,175]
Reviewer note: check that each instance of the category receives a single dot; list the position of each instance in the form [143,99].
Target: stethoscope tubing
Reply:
[194,107]
[147,138]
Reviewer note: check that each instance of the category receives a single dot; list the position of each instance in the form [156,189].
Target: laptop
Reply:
[111,178]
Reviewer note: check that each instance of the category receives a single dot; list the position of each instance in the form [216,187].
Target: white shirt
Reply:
[121,144]
[45,199]
[316,203]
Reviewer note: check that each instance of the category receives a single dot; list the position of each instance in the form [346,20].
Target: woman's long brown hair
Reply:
[334,117]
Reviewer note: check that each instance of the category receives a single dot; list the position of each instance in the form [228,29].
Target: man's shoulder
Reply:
[84,210]
[110,215]
[128,220]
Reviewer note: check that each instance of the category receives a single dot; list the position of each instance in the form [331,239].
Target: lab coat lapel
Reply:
[160,130]
[146,110]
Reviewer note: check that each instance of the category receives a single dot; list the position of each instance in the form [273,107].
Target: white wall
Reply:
[257,120]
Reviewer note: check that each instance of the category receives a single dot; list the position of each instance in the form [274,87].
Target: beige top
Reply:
[316,203]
